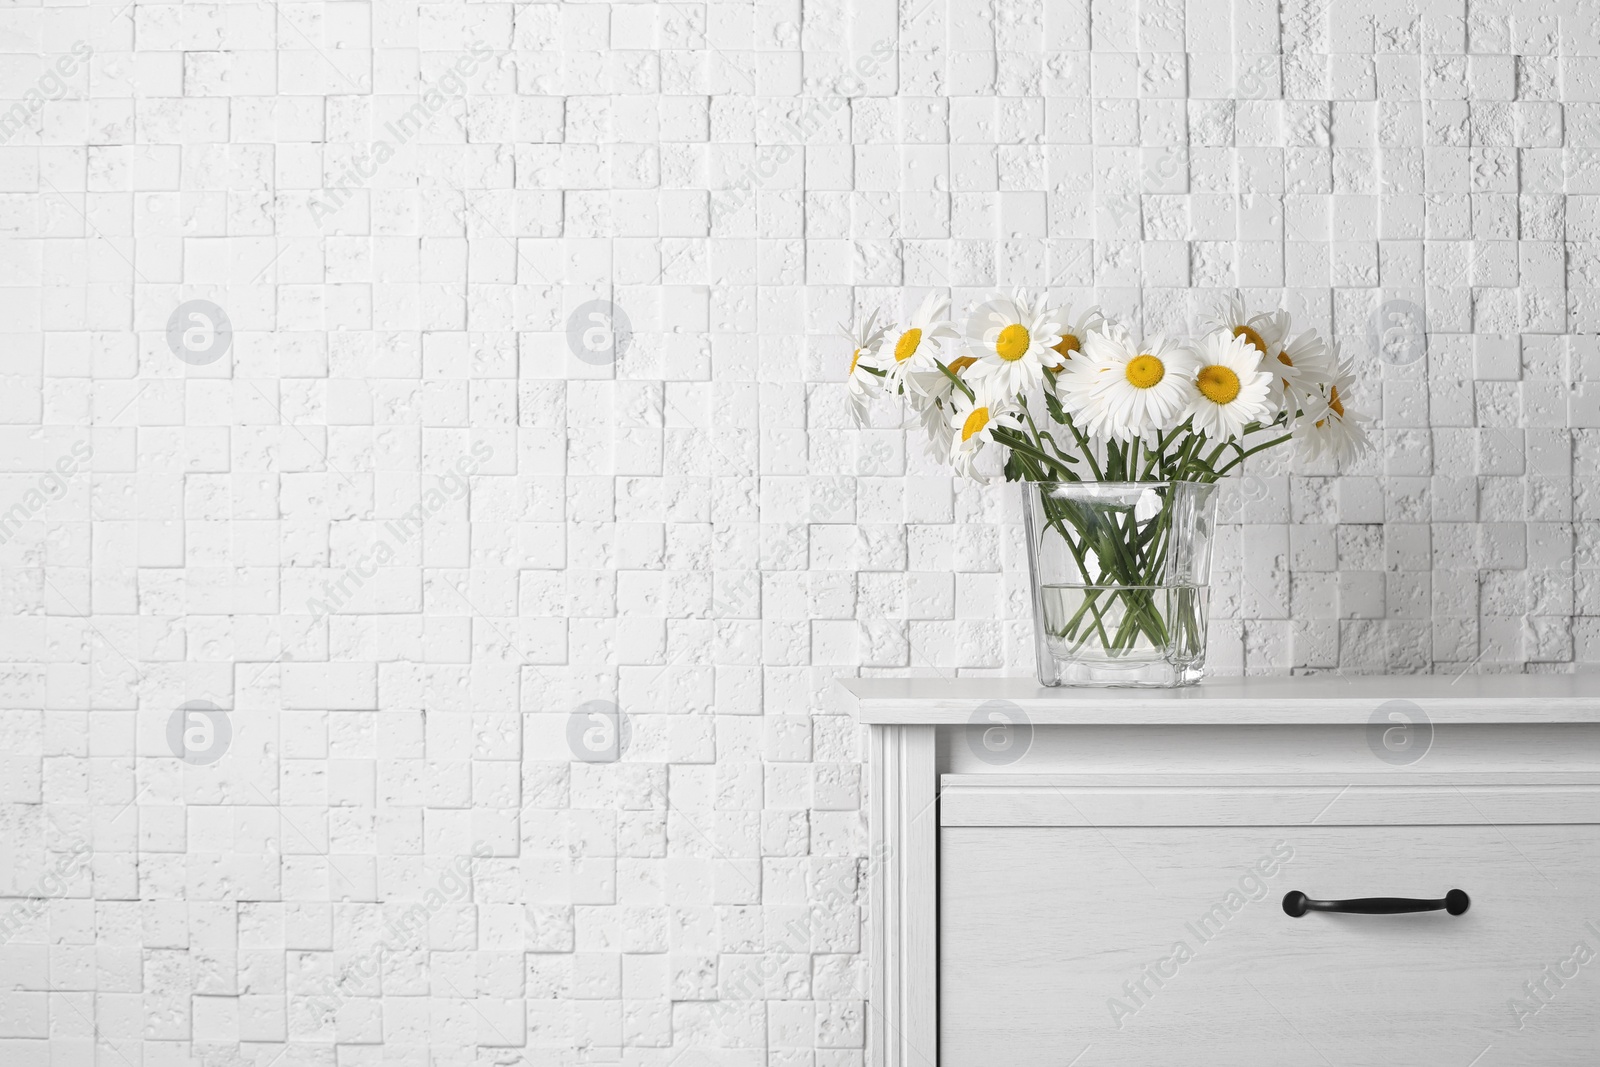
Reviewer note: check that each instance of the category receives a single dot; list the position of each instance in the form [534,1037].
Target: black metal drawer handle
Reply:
[1296,904]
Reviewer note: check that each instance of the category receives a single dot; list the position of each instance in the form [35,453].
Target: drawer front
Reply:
[1149,945]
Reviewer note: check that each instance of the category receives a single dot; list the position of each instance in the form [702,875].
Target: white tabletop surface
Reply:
[1323,698]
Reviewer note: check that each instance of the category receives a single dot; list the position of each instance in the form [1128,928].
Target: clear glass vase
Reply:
[1121,574]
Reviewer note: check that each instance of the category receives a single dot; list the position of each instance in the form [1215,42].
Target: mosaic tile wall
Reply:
[431,520]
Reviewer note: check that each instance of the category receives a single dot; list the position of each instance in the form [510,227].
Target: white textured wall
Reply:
[691,531]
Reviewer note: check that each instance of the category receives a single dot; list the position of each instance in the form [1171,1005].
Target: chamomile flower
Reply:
[1264,331]
[1124,390]
[1230,388]
[916,348]
[934,418]
[1338,433]
[1014,340]
[1074,332]
[934,386]
[1302,372]
[972,425]
[865,379]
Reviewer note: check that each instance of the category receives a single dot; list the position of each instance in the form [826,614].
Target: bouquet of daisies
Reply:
[1082,399]
[1044,396]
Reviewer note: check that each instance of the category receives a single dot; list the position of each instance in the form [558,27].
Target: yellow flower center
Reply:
[1145,371]
[1333,405]
[1249,334]
[1283,357]
[1068,345]
[977,419]
[1012,344]
[906,347]
[1218,384]
[854,360]
[959,365]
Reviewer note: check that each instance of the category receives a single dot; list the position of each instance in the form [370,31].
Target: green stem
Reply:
[1017,442]
[1084,449]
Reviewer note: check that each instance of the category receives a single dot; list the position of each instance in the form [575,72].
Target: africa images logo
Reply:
[598,332]
[999,733]
[598,732]
[199,733]
[199,332]
[1399,732]
[51,85]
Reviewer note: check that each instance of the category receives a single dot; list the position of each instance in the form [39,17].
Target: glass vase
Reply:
[1121,574]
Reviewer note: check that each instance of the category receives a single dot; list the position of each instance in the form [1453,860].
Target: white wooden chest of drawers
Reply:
[1099,877]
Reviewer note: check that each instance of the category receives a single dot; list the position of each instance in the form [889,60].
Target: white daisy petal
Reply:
[864,382]
[1304,370]
[1339,433]
[1123,390]
[1074,331]
[1264,331]
[1013,338]
[1231,390]
[972,425]
[912,354]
